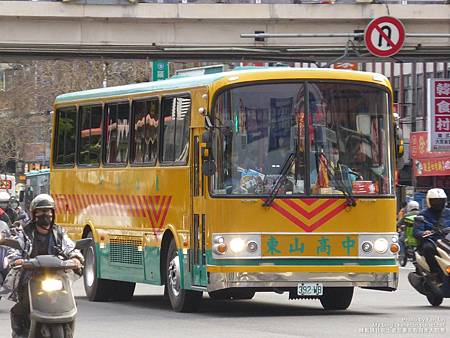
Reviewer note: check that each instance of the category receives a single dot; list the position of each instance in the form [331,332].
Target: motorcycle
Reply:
[408,243]
[422,279]
[52,305]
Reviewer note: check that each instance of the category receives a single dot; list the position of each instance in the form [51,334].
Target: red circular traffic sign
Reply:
[384,36]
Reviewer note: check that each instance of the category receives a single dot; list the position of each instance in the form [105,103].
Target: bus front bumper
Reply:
[378,278]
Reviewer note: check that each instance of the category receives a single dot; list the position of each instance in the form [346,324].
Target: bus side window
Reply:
[175,134]
[64,145]
[90,142]
[117,130]
[145,127]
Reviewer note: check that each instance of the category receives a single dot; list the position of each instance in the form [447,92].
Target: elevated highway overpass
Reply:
[213,31]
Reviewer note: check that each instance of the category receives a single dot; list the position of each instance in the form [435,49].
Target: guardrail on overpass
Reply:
[196,31]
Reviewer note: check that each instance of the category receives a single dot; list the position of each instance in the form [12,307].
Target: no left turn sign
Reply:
[384,36]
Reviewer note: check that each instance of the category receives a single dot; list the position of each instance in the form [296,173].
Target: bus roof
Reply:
[207,80]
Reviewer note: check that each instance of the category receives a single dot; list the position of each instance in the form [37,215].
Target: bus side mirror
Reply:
[399,148]
[208,163]
[398,138]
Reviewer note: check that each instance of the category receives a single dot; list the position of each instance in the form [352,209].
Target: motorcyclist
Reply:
[4,207]
[435,215]
[412,209]
[39,237]
[12,209]
[4,233]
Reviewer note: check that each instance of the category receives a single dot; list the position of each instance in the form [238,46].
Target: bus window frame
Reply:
[83,165]
[75,162]
[156,161]
[306,82]
[161,129]
[104,131]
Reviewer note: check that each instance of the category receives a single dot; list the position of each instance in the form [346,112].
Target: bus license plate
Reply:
[310,289]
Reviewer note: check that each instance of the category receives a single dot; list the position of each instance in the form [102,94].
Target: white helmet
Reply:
[436,199]
[412,205]
[4,197]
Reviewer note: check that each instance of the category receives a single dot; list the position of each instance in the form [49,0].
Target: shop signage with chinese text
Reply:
[425,162]
[439,114]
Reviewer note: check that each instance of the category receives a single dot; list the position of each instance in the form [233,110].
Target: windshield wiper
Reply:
[283,173]
[349,198]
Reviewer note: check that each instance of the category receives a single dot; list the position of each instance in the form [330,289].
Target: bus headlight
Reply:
[381,245]
[50,285]
[236,246]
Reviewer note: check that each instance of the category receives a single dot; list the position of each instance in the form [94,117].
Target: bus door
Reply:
[197,258]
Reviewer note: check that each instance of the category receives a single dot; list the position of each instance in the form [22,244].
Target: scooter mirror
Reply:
[83,243]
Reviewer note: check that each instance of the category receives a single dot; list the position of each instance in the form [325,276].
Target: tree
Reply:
[31,88]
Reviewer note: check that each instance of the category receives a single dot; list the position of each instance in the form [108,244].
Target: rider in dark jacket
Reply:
[436,215]
[39,237]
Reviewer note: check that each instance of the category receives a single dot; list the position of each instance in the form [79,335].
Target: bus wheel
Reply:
[97,290]
[336,298]
[182,300]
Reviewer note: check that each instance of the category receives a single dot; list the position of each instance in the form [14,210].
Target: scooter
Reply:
[52,305]
[422,280]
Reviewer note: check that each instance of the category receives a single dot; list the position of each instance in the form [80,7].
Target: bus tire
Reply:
[336,298]
[181,300]
[97,289]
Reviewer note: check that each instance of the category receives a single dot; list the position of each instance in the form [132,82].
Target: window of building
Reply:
[145,122]
[64,145]
[175,133]
[90,143]
[117,126]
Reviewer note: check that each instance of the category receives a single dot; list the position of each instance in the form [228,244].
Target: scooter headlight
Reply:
[50,285]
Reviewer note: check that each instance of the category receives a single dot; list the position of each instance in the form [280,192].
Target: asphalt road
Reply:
[403,313]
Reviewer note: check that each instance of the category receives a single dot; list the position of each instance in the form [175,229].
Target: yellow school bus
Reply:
[231,183]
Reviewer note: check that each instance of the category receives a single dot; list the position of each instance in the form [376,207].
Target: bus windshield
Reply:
[337,131]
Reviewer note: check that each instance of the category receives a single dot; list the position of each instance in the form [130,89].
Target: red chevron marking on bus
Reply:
[309,228]
[304,212]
